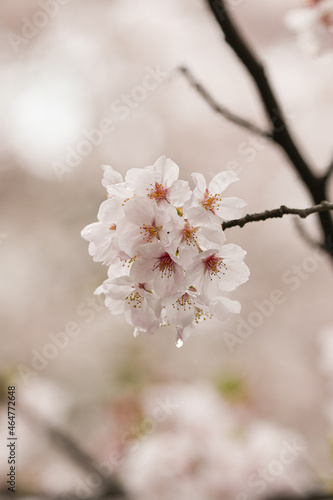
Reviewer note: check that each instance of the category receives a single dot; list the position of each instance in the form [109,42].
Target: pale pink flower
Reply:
[159,182]
[144,222]
[189,309]
[136,300]
[192,233]
[103,246]
[210,198]
[111,211]
[218,270]
[154,263]
[114,184]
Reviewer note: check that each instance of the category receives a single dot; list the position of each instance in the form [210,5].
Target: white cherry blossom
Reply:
[193,232]
[136,300]
[190,308]
[313,25]
[210,198]
[143,222]
[159,182]
[103,245]
[155,264]
[216,270]
[167,257]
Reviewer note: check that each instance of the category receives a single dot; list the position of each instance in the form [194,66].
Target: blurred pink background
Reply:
[56,88]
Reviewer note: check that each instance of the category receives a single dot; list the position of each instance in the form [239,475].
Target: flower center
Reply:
[189,235]
[165,264]
[134,299]
[158,192]
[149,232]
[214,265]
[201,315]
[211,201]
[184,302]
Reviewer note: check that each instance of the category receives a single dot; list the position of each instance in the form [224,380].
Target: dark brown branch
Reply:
[329,172]
[281,135]
[109,485]
[278,213]
[221,109]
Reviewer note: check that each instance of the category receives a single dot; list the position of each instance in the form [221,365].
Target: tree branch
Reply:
[278,213]
[109,486]
[281,135]
[329,172]
[221,109]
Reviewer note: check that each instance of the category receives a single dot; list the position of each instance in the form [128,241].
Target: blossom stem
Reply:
[278,213]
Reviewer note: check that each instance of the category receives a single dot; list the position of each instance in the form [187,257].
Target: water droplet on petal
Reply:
[179,343]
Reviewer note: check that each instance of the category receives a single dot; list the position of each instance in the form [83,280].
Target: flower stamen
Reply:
[158,192]
[213,266]
[149,232]
[188,234]
[165,264]
[211,201]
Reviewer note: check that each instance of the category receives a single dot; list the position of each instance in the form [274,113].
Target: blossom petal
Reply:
[200,183]
[231,208]
[166,170]
[111,211]
[168,284]
[179,193]
[221,181]
[110,176]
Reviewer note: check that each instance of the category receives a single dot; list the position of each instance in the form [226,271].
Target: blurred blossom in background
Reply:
[85,85]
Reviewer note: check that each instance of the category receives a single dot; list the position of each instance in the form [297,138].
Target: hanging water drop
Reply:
[179,343]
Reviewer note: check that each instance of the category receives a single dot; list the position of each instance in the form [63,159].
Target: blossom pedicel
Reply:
[168,263]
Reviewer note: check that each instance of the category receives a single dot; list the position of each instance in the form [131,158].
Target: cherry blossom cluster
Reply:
[244,457]
[167,256]
[313,25]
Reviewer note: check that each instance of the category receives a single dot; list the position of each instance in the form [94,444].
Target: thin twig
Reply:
[221,109]
[317,186]
[278,213]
